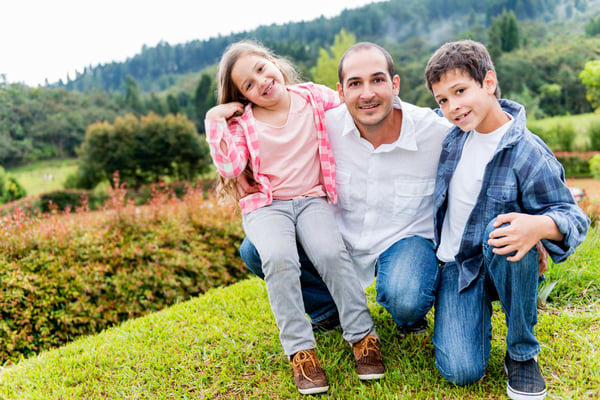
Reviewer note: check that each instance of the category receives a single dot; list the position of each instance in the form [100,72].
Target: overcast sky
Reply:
[48,39]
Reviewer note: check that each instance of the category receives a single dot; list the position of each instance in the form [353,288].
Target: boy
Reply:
[499,191]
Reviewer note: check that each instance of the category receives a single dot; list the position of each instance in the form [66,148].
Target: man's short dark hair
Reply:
[364,46]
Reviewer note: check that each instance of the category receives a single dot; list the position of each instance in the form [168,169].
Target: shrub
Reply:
[10,188]
[71,274]
[61,200]
[595,135]
[576,165]
[594,165]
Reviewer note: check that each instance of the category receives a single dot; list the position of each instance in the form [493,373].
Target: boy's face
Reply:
[466,103]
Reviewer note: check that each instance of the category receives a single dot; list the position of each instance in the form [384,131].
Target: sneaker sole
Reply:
[370,377]
[316,390]
[516,395]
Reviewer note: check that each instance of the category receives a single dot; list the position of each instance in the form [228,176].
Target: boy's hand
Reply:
[226,110]
[523,232]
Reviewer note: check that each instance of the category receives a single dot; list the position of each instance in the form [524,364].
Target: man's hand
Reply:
[522,233]
[245,184]
[543,259]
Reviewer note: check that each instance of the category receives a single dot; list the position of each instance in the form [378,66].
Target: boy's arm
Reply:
[522,233]
[549,214]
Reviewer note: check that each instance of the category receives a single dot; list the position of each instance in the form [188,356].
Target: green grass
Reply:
[581,121]
[224,345]
[44,176]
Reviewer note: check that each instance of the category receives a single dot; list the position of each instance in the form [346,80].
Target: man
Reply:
[386,154]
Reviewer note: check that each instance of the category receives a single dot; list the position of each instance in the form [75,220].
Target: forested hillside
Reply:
[540,47]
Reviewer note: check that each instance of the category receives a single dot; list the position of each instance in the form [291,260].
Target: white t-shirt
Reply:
[465,186]
[384,194]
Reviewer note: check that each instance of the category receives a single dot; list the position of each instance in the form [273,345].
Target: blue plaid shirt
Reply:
[523,176]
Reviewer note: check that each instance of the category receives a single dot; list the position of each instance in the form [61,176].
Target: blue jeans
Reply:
[463,330]
[407,276]
[275,230]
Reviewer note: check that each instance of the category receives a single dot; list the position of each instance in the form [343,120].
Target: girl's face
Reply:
[259,80]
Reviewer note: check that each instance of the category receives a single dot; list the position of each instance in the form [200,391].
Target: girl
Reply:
[277,129]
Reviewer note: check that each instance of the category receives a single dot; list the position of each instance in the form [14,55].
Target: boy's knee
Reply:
[489,228]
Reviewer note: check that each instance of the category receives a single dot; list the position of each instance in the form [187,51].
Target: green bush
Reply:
[576,165]
[594,134]
[10,188]
[61,200]
[594,166]
[64,276]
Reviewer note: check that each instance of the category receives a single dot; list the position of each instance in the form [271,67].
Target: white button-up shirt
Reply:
[384,194]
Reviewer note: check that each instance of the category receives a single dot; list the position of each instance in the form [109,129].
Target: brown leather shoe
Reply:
[369,363]
[309,376]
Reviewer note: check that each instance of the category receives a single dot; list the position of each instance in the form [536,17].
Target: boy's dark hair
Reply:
[466,55]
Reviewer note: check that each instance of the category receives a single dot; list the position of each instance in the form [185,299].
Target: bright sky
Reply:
[48,39]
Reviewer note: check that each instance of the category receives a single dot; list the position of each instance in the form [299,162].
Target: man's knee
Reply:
[405,304]
[460,371]
[251,258]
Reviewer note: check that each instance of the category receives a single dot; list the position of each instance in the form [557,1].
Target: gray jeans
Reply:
[274,230]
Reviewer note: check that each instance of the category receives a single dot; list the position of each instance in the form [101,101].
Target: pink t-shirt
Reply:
[290,153]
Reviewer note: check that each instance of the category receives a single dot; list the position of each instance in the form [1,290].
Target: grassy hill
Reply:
[224,345]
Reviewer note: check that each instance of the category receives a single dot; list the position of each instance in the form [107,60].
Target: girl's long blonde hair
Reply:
[227,92]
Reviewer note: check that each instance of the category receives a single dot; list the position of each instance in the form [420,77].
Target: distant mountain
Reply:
[395,22]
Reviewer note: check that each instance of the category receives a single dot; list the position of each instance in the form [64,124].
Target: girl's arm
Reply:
[330,97]
[226,139]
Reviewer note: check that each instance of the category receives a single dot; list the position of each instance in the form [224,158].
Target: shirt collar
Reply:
[407,139]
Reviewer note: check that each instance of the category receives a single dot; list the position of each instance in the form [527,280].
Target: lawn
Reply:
[43,176]
[224,345]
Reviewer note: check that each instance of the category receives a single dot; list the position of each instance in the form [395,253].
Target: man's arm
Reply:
[245,184]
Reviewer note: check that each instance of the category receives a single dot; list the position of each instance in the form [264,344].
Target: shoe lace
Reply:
[367,345]
[301,359]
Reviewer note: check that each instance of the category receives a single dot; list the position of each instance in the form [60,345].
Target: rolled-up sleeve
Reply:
[228,147]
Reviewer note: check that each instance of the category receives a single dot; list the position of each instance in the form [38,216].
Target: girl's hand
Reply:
[226,110]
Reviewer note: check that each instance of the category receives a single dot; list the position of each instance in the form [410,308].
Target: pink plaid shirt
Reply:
[241,142]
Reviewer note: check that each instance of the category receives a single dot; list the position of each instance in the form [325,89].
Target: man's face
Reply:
[368,90]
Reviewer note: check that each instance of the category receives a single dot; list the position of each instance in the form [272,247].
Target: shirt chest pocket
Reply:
[411,198]
[501,200]
[343,186]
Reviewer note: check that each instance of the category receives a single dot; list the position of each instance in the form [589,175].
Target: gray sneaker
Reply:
[525,382]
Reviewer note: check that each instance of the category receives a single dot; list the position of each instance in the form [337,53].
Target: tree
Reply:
[590,77]
[202,97]
[172,104]
[504,34]
[142,150]
[325,72]
[132,95]
[592,28]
